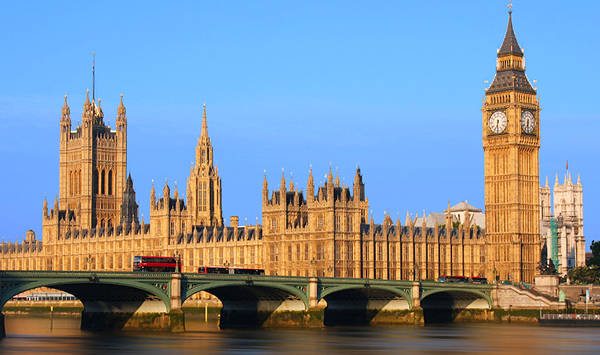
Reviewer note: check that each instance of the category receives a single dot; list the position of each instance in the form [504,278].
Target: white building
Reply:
[562,228]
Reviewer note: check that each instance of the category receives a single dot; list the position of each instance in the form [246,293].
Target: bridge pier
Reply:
[2,330]
[313,292]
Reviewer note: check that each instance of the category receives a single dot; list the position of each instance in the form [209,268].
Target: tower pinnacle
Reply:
[204,131]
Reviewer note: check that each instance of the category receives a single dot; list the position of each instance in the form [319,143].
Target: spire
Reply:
[152,194]
[570,182]
[129,186]
[204,131]
[66,111]
[330,177]
[282,179]
[510,46]
[556,180]
[87,104]
[407,221]
[291,182]
[337,180]
[265,184]
[99,112]
[166,191]
[546,181]
[121,111]
[578,179]
[311,181]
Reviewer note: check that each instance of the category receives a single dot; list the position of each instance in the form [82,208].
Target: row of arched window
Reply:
[105,182]
[75,182]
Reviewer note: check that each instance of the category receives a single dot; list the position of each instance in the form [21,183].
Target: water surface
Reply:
[40,334]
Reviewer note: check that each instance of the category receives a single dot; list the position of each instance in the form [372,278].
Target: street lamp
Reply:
[89,260]
[495,277]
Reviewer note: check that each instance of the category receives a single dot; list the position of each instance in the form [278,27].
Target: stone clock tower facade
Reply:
[511,142]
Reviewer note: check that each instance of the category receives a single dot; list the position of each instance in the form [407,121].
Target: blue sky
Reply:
[396,87]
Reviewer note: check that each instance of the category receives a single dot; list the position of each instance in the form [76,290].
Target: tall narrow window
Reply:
[110,182]
[102,183]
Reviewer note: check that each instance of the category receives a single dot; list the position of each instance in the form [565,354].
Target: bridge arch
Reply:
[394,290]
[457,290]
[363,304]
[248,303]
[128,296]
[447,304]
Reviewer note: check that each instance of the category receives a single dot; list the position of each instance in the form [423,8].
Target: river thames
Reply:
[38,334]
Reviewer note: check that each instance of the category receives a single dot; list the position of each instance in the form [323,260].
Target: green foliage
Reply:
[585,275]
[595,259]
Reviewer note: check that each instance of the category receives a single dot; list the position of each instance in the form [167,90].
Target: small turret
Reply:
[265,190]
[56,205]
[359,187]
[330,186]
[291,183]
[310,186]
[99,114]
[121,116]
[66,112]
[152,196]
[166,193]
[87,107]
[45,207]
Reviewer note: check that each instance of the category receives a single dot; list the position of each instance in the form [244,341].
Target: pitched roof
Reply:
[510,44]
[462,206]
[510,80]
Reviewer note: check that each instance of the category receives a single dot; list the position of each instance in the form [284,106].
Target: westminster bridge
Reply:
[117,300]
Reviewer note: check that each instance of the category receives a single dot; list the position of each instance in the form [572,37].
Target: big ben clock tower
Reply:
[511,143]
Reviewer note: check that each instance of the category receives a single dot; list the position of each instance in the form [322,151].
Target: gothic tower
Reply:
[93,165]
[511,142]
[204,184]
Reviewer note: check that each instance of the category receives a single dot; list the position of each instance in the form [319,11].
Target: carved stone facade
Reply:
[326,232]
[511,142]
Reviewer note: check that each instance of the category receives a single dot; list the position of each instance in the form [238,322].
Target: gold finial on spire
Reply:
[510,6]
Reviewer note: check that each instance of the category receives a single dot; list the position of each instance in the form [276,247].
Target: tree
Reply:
[595,259]
[585,275]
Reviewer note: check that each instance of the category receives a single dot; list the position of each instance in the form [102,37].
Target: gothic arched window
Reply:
[102,183]
[110,182]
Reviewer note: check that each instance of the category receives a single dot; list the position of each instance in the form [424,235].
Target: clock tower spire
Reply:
[511,145]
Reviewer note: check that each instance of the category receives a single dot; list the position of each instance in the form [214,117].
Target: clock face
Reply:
[527,122]
[497,122]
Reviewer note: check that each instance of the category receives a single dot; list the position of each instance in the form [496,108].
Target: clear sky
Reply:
[396,87]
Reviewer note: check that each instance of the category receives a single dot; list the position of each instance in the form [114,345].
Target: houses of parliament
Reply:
[316,230]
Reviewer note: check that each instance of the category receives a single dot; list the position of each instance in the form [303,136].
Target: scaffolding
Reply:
[554,242]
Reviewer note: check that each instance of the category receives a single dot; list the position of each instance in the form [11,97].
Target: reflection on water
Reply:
[61,334]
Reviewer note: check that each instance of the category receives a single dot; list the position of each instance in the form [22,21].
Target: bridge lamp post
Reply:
[495,277]
[416,272]
[313,262]
[89,260]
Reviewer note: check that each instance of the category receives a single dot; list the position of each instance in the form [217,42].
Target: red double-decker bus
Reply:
[156,263]
[230,270]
